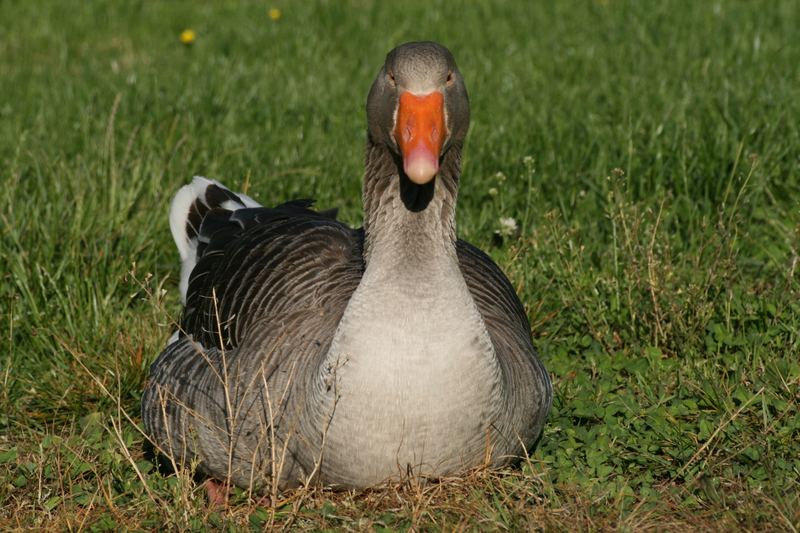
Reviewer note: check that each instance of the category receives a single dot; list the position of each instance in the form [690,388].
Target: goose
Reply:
[311,351]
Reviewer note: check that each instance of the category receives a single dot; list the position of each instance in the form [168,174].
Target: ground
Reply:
[648,154]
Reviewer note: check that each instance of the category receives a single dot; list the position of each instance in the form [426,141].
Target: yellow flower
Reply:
[188,36]
[274,13]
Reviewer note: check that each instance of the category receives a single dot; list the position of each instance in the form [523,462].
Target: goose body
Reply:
[310,350]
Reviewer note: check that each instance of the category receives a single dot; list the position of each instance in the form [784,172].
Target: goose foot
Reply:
[217,493]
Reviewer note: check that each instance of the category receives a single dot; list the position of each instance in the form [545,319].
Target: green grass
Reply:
[649,150]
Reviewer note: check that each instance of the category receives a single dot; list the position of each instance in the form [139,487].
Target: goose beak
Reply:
[420,132]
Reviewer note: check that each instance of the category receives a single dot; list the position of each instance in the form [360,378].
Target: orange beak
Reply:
[420,133]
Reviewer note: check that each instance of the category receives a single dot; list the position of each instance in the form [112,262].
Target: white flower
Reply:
[508,226]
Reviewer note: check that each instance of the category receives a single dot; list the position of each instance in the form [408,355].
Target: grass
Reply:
[650,153]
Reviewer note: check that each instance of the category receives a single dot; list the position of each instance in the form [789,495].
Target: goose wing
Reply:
[264,290]
[527,382]
[267,262]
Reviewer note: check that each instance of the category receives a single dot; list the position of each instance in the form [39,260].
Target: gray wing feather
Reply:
[526,380]
[263,301]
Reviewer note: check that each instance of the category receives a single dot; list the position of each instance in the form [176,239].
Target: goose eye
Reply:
[390,75]
[450,78]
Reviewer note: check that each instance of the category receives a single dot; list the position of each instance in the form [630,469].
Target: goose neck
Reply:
[405,222]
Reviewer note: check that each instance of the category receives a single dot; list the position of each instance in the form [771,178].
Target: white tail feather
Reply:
[179,223]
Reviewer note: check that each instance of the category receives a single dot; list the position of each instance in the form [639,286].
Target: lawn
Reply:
[649,153]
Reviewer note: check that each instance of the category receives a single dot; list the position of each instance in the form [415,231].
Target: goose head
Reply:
[418,108]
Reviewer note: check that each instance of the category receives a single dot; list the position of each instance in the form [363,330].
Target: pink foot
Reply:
[217,493]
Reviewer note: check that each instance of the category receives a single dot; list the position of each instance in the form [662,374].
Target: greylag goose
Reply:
[308,350]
